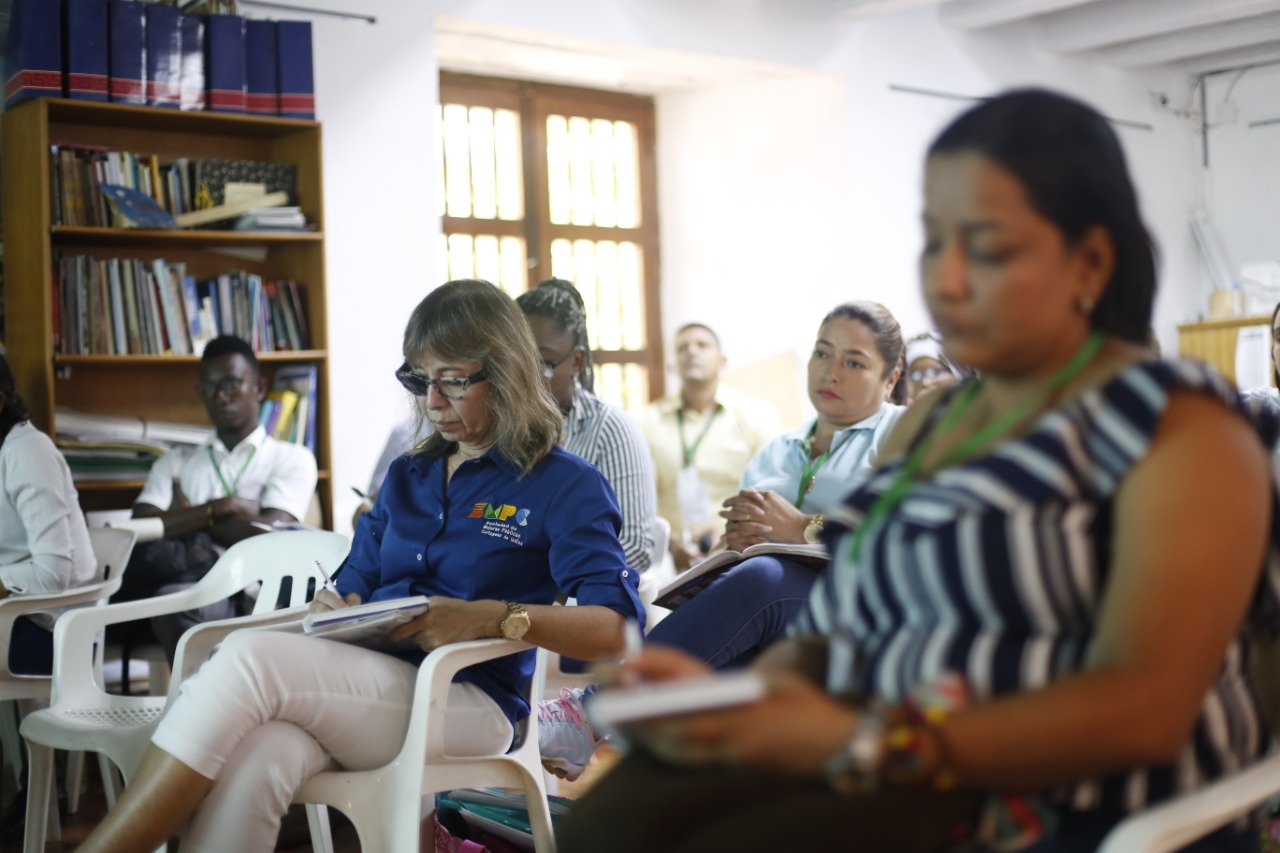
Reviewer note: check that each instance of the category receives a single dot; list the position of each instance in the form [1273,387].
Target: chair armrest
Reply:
[20,605]
[1173,824]
[198,642]
[435,676]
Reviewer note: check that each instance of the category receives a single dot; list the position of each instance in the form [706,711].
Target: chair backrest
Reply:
[268,560]
[112,548]
[661,539]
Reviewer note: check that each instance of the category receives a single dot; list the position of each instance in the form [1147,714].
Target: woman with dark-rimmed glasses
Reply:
[487,516]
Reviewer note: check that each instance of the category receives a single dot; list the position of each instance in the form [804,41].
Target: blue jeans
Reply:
[30,648]
[741,613]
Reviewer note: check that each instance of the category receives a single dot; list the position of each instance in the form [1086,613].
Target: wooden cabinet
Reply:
[1214,341]
[157,387]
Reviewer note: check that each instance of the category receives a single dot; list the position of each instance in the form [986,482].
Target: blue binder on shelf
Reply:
[33,52]
[224,63]
[260,68]
[127,52]
[191,79]
[164,55]
[84,46]
[297,81]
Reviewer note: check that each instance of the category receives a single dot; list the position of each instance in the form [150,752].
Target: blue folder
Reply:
[85,49]
[224,63]
[33,52]
[127,54]
[260,68]
[297,83]
[191,82]
[164,55]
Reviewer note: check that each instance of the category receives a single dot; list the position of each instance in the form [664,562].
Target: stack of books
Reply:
[130,306]
[273,219]
[103,448]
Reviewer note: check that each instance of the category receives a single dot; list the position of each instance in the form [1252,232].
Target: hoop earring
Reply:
[1086,305]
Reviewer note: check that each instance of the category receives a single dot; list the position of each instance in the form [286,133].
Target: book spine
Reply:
[261,68]
[300,313]
[296,75]
[132,327]
[181,334]
[226,326]
[191,78]
[85,45]
[121,337]
[164,55]
[33,52]
[191,303]
[163,345]
[172,324]
[224,63]
[254,300]
[127,52]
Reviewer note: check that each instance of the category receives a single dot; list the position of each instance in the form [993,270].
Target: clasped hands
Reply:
[753,516]
[449,620]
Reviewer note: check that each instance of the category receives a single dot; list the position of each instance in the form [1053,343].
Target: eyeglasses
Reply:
[449,387]
[229,387]
[549,368]
[928,373]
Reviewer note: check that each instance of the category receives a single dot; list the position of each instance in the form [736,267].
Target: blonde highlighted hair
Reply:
[471,320]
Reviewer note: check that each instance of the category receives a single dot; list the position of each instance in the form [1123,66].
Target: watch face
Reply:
[516,625]
[813,533]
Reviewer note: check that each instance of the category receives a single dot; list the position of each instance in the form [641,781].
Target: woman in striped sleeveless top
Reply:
[1039,612]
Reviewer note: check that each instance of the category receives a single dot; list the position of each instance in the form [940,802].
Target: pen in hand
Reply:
[328,580]
[632,646]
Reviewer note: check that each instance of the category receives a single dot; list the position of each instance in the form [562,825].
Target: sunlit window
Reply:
[516,215]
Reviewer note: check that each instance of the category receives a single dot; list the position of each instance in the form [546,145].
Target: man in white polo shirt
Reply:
[210,497]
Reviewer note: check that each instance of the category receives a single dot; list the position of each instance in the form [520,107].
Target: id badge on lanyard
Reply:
[695,500]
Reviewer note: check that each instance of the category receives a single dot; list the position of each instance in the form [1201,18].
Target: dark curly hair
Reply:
[15,410]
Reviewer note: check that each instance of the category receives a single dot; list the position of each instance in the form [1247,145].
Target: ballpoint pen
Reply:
[328,581]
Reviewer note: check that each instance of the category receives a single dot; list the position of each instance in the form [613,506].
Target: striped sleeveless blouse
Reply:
[996,569]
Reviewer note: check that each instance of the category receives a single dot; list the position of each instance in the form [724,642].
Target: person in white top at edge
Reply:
[235,485]
[44,543]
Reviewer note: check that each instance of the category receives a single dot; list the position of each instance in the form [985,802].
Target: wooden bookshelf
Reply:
[1214,341]
[155,387]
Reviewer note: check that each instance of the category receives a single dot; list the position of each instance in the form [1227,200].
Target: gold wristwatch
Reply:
[516,623]
[813,530]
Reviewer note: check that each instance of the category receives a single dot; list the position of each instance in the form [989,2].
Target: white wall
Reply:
[1242,182]
[727,199]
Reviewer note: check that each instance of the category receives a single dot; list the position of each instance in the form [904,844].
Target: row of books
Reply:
[78,174]
[152,53]
[288,412]
[130,306]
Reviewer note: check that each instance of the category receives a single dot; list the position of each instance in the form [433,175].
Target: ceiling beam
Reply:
[980,14]
[1184,44]
[1263,54]
[1099,25]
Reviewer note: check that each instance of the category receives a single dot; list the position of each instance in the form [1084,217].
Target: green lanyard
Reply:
[685,449]
[812,467]
[231,487]
[906,476]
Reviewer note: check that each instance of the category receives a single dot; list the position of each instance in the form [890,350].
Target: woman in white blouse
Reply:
[44,544]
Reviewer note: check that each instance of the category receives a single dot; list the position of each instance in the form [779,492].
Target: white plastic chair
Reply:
[1177,822]
[82,716]
[111,550]
[385,804]
[662,570]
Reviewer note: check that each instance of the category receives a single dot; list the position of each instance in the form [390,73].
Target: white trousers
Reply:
[271,709]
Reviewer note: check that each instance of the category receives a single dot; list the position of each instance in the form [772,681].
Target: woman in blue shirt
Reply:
[487,516]
[855,363]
